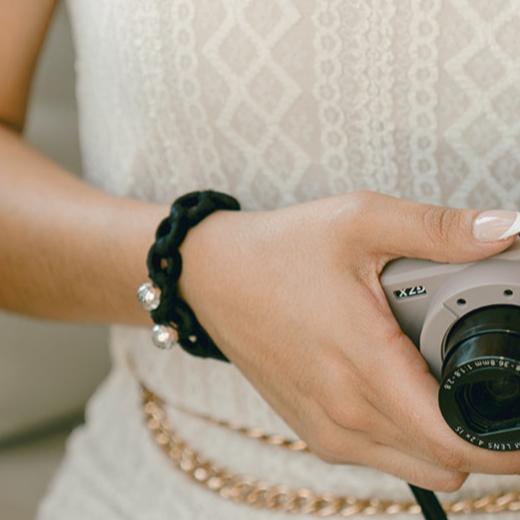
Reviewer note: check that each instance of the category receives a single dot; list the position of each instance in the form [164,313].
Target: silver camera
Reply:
[465,320]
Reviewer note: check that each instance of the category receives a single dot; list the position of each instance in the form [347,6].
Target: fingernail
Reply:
[496,224]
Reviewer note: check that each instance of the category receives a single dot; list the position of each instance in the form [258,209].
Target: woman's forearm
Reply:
[68,251]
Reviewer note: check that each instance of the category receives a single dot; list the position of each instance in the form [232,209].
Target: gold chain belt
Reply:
[263,495]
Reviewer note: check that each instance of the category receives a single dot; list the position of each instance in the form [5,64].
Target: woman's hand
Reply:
[293,298]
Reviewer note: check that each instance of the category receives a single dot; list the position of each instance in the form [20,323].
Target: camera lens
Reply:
[504,391]
[497,400]
[480,391]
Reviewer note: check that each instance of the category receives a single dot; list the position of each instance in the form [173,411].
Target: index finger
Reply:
[412,404]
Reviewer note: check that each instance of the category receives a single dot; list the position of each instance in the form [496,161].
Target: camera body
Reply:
[465,320]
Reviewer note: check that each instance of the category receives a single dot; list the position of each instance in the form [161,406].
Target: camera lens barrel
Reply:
[479,394]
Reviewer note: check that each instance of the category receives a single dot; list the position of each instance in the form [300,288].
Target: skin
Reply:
[87,248]
[292,296]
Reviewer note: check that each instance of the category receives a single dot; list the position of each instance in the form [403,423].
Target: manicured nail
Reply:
[496,224]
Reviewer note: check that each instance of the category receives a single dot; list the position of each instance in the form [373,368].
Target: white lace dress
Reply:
[275,102]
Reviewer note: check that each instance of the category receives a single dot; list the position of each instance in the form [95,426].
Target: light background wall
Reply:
[47,370]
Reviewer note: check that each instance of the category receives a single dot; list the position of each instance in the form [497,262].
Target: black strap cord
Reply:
[429,503]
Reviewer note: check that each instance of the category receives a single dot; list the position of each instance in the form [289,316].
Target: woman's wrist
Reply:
[136,222]
[200,251]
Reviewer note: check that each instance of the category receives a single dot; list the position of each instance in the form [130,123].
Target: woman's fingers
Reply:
[409,398]
[415,470]
[336,444]
[398,383]
[398,227]
[384,365]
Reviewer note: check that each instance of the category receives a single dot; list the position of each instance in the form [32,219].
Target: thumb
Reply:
[399,227]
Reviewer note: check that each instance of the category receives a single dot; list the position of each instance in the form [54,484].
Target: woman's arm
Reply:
[291,296]
[23,25]
[67,251]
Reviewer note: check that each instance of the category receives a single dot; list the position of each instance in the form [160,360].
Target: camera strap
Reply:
[429,503]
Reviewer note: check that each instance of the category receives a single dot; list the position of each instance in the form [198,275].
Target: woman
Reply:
[338,126]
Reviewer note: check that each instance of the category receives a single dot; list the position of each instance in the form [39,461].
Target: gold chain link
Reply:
[263,495]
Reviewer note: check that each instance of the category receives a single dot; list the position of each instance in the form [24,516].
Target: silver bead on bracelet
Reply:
[164,337]
[149,296]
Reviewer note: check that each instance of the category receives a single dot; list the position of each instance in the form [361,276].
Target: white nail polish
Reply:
[513,230]
[496,225]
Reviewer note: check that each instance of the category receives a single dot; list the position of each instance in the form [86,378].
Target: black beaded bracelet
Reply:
[175,321]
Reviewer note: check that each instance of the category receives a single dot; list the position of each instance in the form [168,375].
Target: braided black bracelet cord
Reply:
[165,265]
